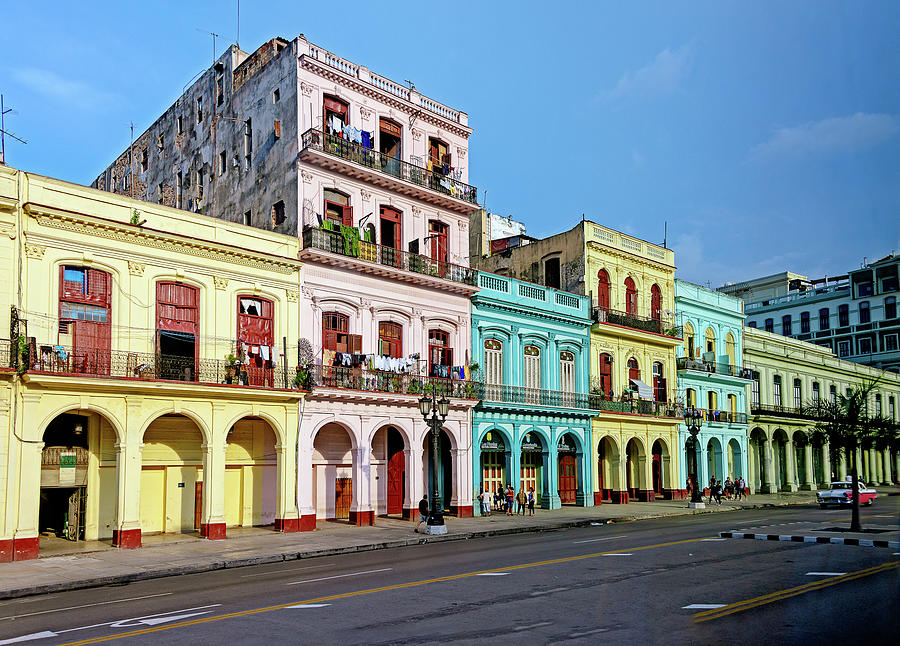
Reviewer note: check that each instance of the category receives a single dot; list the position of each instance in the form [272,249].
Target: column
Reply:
[842,466]
[25,540]
[361,512]
[416,478]
[287,518]
[212,520]
[895,457]
[886,466]
[129,462]
[791,460]
[809,479]
[766,463]
[862,468]
[305,486]
[461,497]
[551,498]
[826,464]
[477,475]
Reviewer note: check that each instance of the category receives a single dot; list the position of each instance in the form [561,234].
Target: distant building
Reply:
[854,315]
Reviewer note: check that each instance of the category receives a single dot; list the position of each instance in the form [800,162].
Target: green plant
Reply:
[23,351]
[231,361]
[302,378]
[135,216]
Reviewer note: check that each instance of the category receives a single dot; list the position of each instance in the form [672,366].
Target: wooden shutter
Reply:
[356,343]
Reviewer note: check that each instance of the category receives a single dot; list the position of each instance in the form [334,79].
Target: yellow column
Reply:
[212,523]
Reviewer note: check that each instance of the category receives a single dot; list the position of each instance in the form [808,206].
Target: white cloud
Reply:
[659,77]
[827,137]
[51,85]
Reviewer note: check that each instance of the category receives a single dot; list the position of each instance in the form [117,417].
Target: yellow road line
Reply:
[346,595]
[747,604]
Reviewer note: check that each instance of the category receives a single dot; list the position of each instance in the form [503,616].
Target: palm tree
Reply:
[847,425]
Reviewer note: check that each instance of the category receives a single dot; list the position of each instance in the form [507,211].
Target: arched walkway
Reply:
[608,481]
[389,462]
[332,462]
[444,468]
[801,470]
[780,460]
[759,477]
[495,460]
[735,460]
[251,474]
[532,467]
[172,476]
[714,465]
[569,456]
[659,468]
[635,457]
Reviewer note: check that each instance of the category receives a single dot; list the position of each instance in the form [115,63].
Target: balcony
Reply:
[665,325]
[335,153]
[384,261]
[144,366]
[366,379]
[591,403]
[722,416]
[633,406]
[775,410]
[710,367]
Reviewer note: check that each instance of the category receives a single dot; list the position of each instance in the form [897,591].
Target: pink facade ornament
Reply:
[307,89]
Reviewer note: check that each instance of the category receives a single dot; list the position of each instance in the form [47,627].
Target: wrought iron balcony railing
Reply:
[722,416]
[336,242]
[381,381]
[55,359]
[504,394]
[434,180]
[664,325]
[635,407]
[685,363]
[779,411]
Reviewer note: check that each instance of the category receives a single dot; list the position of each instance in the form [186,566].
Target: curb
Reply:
[294,555]
[794,538]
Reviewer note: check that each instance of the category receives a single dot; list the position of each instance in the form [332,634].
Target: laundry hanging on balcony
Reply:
[644,391]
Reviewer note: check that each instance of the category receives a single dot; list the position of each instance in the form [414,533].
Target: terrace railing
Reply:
[434,180]
[335,241]
[685,363]
[664,325]
[382,381]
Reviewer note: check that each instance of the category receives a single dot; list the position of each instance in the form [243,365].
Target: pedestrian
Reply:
[718,492]
[531,501]
[711,491]
[497,497]
[729,488]
[510,496]
[485,498]
[423,511]
[521,500]
[744,490]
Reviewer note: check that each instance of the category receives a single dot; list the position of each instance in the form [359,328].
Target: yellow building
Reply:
[787,374]
[151,385]
[632,360]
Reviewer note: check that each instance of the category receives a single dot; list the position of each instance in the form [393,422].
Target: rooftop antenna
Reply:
[131,160]
[3,111]
[665,233]
[214,36]
[237,40]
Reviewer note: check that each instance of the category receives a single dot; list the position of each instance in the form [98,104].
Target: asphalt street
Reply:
[658,581]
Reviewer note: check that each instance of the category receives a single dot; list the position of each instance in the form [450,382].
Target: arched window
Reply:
[690,398]
[603,289]
[729,349]
[337,208]
[634,371]
[659,382]
[391,231]
[440,354]
[655,302]
[864,313]
[710,343]
[255,330]
[798,395]
[390,339]
[604,374]
[532,372]
[335,115]
[776,390]
[712,400]
[84,317]
[631,297]
[493,361]
[335,332]
[689,340]
[567,372]
[890,307]
[177,329]
[732,405]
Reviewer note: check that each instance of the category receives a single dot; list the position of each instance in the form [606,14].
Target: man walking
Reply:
[423,511]
[520,500]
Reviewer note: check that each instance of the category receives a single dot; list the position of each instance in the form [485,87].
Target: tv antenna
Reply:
[3,112]
[214,36]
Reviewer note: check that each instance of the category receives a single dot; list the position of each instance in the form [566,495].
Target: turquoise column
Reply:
[552,462]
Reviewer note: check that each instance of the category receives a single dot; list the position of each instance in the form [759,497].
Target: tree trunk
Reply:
[854,483]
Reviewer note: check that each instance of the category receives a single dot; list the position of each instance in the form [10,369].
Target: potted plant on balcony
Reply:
[231,367]
[302,379]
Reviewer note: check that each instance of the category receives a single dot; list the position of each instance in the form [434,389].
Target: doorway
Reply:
[396,472]
[343,496]
[567,480]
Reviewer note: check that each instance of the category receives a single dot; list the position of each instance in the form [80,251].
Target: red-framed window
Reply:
[335,332]
[439,351]
[439,159]
[177,329]
[630,297]
[438,233]
[659,382]
[605,374]
[603,289]
[337,208]
[634,371]
[84,285]
[335,115]
[391,227]
[256,330]
[655,302]
[390,339]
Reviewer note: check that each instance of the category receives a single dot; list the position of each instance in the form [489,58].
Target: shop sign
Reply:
[67,467]
[491,442]
[566,444]
[531,443]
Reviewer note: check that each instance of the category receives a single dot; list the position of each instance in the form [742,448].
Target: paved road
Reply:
[622,582]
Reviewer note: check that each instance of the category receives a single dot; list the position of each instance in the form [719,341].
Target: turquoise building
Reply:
[533,426]
[711,379]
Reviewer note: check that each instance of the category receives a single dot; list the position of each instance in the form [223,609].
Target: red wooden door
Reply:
[177,325]
[657,473]
[438,233]
[92,347]
[567,479]
[395,473]
[630,296]
[603,289]
[343,495]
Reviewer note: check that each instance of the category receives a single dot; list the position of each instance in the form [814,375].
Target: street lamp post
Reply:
[438,409]
[694,420]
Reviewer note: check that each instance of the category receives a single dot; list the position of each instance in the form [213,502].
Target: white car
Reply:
[841,494]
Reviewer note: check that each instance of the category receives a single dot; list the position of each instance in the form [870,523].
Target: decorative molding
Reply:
[85,225]
[136,268]
[366,195]
[35,251]
[460,152]
[220,282]
[307,176]
[416,211]
[417,134]
[292,296]
[463,226]
[307,89]
[366,112]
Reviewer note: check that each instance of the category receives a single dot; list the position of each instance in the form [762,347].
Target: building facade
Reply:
[532,429]
[786,374]
[152,387]
[854,315]
[712,380]
[632,359]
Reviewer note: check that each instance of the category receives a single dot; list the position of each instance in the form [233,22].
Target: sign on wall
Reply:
[67,467]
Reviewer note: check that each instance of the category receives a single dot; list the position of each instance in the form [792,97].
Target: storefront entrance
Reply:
[568,480]
[532,464]
[493,461]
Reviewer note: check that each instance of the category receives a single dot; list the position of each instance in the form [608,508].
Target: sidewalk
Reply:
[68,566]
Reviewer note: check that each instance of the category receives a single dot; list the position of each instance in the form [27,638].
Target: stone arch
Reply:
[252,463]
[660,467]
[715,467]
[446,466]
[333,461]
[608,469]
[274,424]
[89,406]
[635,458]
[172,409]
[345,424]
[735,459]
[759,476]
[781,459]
[389,446]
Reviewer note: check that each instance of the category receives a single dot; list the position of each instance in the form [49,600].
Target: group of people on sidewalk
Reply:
[507,499]
[730,490]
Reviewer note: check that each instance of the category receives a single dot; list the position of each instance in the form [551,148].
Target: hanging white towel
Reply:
[264,352]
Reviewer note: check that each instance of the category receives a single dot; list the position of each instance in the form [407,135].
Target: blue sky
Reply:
[767,134]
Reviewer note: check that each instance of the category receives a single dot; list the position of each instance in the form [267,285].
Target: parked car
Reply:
[841,494]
